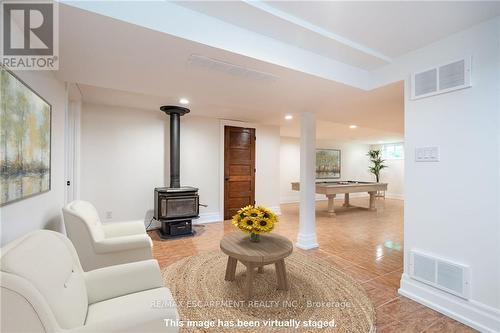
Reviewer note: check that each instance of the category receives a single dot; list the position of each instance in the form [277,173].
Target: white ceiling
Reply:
[366,34]
[118,63]
[263,21]
[142,68]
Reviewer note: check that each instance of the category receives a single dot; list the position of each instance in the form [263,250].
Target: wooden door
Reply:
[239,169]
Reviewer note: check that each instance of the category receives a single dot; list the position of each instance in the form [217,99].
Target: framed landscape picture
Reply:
[327,163]
[25,121]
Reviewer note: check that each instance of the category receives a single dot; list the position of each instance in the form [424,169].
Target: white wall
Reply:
[394,176]
[451,207]
[122,160]
[354,164]
[42,211]
[125,155]
[199,161]
[267,163]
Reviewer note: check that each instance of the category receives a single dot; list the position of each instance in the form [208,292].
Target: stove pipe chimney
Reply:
[175,112]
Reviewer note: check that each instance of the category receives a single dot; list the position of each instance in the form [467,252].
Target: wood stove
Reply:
[175,206]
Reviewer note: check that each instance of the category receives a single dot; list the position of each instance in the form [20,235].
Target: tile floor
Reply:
[367,245]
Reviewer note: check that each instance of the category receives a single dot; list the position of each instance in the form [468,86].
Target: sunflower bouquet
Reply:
[254,220]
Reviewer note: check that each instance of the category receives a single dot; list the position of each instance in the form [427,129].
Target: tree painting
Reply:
[25,140]
[327,163]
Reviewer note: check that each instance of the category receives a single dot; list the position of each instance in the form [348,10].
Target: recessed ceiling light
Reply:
[184,101]
[353,126]
[288,117]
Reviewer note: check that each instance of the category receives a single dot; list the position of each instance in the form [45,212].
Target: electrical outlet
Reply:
[109,215]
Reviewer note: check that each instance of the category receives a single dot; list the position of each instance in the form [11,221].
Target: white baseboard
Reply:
[397,196]
[474,314]
[275,209]
[208,218]
[217,217]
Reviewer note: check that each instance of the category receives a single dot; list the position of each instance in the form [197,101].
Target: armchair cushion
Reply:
[138,312]
[123,228]
[115,281]
[123,243]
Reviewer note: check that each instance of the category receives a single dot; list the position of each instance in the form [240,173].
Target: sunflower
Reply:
[254,213]
[244,211]
[254,220]
[264,225]
[268,214]
[247,224]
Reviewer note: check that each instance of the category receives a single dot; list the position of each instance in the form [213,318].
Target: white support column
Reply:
[306,239]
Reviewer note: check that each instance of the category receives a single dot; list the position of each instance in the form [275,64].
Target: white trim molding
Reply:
[218,216]
[209,218]
[222,124]
[72,142]
[276,209]
[396,196]
[474,314]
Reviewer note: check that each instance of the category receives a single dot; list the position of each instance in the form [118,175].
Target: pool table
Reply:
[332,188]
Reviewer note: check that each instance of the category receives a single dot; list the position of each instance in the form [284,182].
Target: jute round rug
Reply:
[320,298]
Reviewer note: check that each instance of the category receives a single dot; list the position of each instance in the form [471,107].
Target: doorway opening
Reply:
[239,169]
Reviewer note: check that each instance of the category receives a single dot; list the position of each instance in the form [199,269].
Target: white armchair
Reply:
[44,289]
[100,245]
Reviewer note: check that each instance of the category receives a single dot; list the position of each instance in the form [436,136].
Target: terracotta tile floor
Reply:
[367,245]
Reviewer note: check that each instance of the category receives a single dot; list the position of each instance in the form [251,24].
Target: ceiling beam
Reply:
[216,33]
[316,29]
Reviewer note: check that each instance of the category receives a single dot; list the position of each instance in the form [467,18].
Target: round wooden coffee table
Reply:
[272,249]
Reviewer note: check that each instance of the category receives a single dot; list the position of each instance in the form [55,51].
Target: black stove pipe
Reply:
[175,113]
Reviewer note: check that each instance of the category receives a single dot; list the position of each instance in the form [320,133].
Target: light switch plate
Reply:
[427,154]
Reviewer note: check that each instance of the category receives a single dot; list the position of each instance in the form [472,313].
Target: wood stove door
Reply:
[239,169]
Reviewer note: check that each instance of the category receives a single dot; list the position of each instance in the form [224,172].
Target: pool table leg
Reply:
[331,208]
[346,200]
[372,200]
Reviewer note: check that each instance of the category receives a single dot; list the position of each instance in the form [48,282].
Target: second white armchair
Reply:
[44,289]
[100,245]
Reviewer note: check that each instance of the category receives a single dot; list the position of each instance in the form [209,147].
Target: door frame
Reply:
[72,142]
[223,123]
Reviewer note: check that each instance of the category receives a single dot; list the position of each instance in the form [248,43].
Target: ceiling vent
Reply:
[443,79]
[442,274]
[231,69]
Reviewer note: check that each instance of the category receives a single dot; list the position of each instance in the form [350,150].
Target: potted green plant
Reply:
[377,163]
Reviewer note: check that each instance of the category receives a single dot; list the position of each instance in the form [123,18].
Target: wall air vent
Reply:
[439,273]
[443,79]
[228,68]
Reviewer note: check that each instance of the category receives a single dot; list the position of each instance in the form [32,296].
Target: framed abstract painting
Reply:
[327,163]
[25,126]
